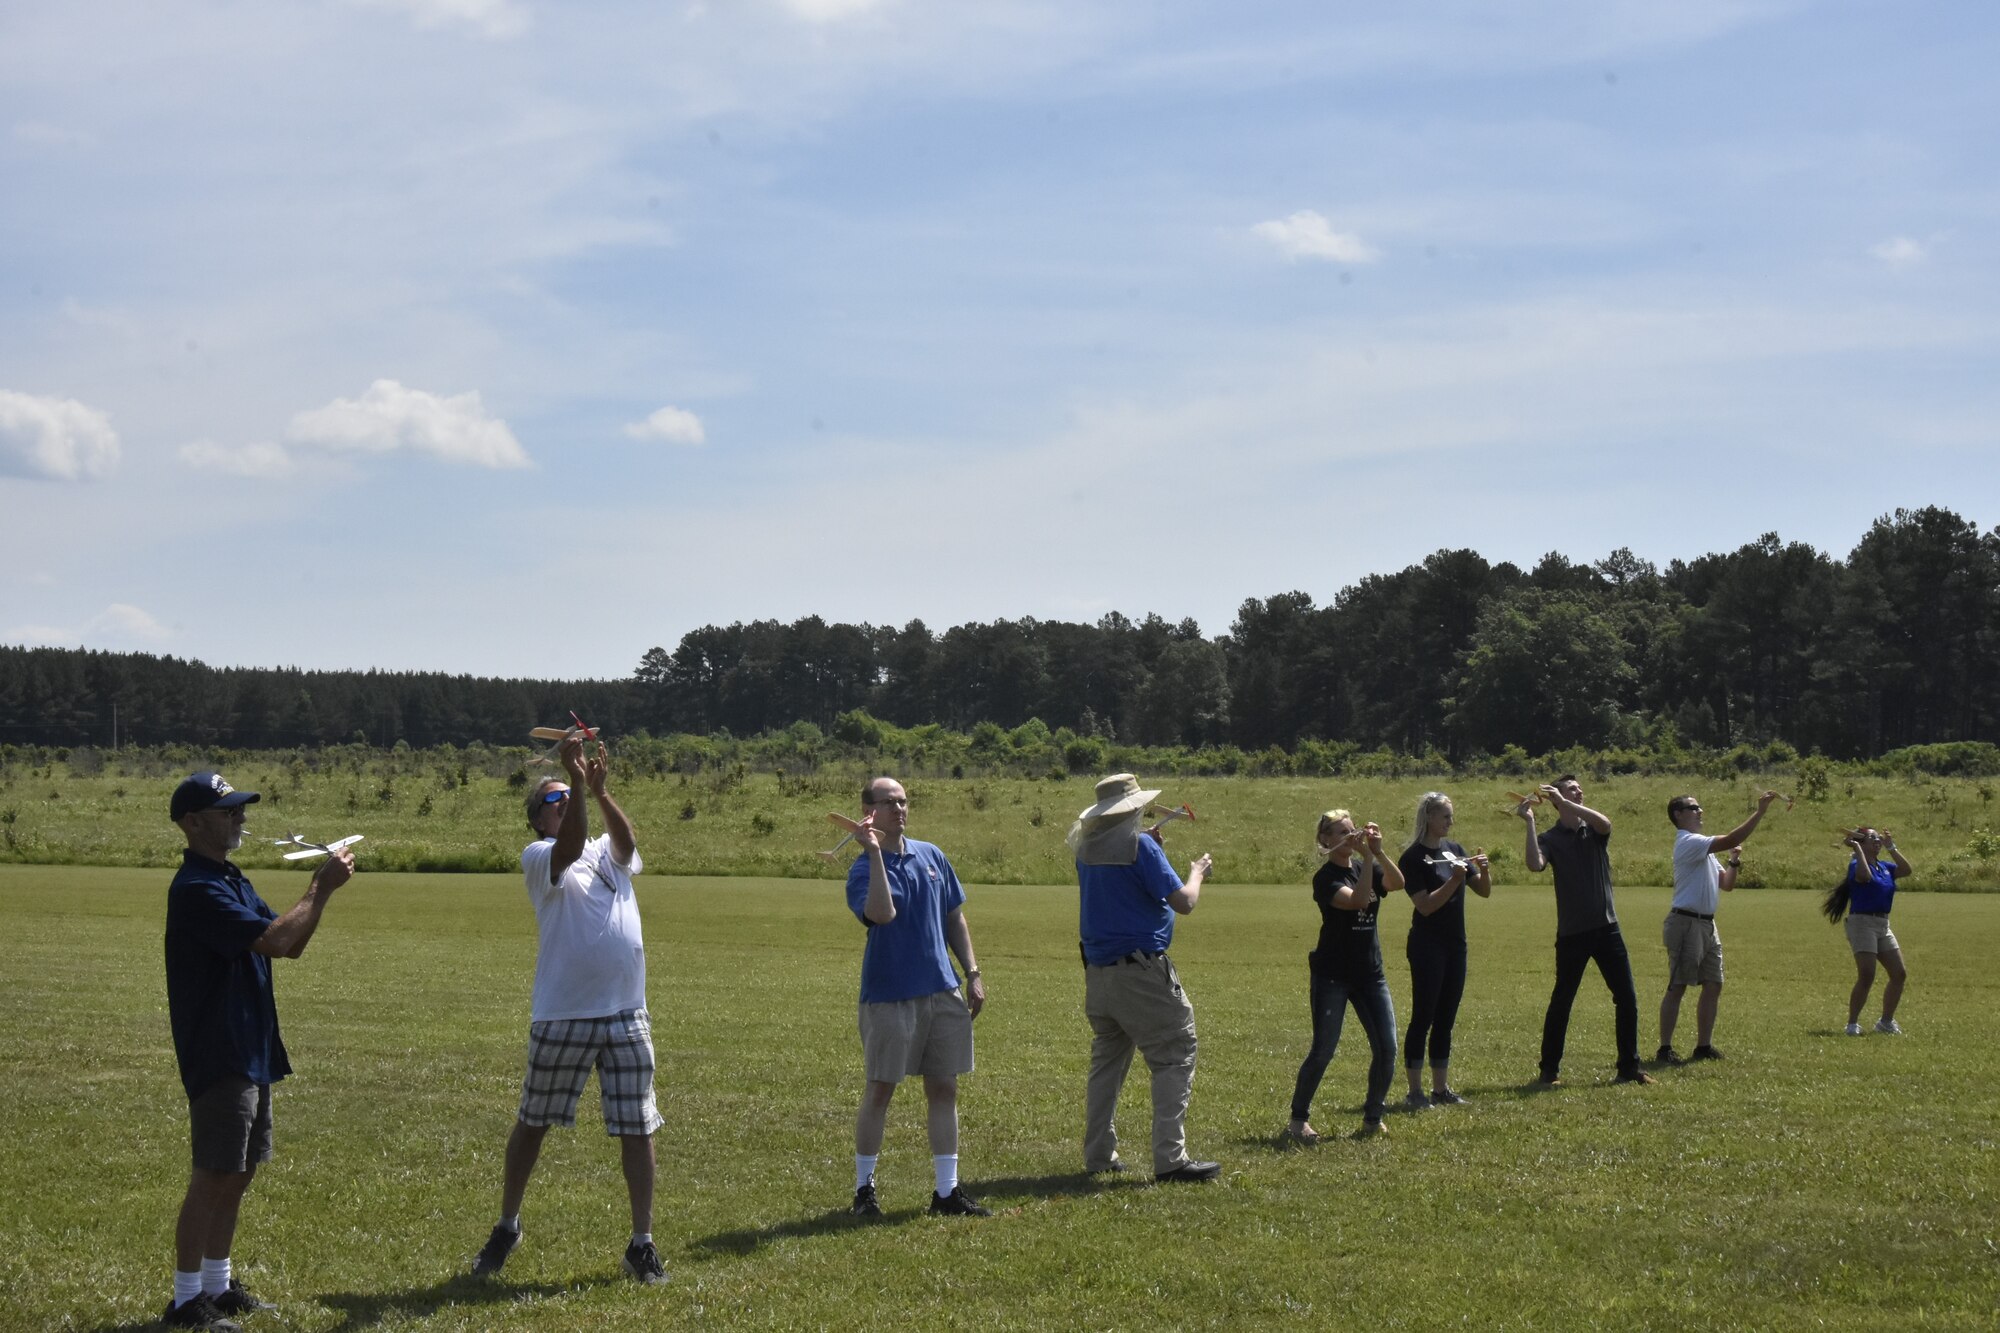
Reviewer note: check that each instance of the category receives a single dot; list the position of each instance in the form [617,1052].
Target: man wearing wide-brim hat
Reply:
[1128,896]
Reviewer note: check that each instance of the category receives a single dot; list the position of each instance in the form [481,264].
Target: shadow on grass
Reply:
[366,1309]
[833,1222]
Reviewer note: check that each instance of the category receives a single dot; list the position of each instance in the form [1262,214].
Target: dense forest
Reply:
[1896,645]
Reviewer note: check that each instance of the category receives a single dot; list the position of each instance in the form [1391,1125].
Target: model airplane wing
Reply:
[317,848]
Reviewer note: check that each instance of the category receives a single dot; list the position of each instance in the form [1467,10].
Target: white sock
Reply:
[864,1170]
[187,1286]
[214,1276]
[512,1223]
[646,1239]
[945,1166]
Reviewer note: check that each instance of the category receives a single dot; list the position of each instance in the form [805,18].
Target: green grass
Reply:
[1810,1181]
[999,831]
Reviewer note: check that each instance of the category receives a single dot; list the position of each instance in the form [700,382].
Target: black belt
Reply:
[1881,914]
[1136,956]
[1699,916]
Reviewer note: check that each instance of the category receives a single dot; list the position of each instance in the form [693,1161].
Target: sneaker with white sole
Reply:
[642,1263]
[1888,1026]
[1853,1029]
[199,1312]
[493,1254]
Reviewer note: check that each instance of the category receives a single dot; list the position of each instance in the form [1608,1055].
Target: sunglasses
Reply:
[554,794]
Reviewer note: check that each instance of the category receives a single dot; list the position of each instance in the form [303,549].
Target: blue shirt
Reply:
[1873,894]
[1123,909]
[907,959]
[219,998]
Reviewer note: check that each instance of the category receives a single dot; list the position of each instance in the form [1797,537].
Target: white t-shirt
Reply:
[1696,887]
[592,959]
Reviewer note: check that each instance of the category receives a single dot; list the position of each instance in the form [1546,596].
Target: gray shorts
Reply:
[563,1051]
[1869,933]
[931,1034]
[1694,951]
[230,1125]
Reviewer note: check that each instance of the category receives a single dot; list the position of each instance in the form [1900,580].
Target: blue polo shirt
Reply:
[219,998]
[1871,893]
[1123,909]
[907,959]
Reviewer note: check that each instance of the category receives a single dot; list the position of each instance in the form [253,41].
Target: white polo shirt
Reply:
[592,958]
[1697,887]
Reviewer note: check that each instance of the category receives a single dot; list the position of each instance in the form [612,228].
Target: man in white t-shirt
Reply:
[1694,949]
[589,1001]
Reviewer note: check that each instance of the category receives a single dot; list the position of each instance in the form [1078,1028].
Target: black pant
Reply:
[1606,947]
[1437,984]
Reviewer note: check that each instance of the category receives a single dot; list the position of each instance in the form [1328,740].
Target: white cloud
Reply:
[390,417]
[118,625]
[674,425]
[58,439]
[252,460]
[1308,235]
[830,11]
[1900,252]
[490,18]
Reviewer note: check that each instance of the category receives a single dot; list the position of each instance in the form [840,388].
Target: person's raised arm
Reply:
[1392,874]
[1428,901]
[1531,856]
[1600,823]
[616,823]
[1895,853]
[880,907]
[288,936]
[1739,835]
[1183,899]
[958,936]
[1480,877]
[575,826]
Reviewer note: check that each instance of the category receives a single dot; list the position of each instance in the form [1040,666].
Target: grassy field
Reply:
[1811,1181]
[420,816]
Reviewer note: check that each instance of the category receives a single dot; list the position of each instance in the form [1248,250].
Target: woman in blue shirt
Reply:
[1865,896]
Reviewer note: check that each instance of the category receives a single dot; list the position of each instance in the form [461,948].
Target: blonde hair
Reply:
[1326,823]
[1427,805]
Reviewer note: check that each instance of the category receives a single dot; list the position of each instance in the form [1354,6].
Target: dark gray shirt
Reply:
[1580,859]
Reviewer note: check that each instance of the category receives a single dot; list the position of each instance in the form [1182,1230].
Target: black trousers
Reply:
[1437,984]
[1605,947]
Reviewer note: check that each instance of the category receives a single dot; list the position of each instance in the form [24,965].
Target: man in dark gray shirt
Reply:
[1577,850]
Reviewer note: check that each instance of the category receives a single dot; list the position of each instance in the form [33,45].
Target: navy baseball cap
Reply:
[207,791]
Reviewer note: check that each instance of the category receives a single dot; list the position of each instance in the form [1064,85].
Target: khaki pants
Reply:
[1138,1005]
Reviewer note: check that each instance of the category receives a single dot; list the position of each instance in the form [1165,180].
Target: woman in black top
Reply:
[1346,968]
[1435,869]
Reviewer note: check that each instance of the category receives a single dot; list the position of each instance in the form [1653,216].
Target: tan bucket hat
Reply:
[1118,794]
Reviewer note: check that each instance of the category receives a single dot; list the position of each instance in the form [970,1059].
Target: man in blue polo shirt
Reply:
[221,938]
[913,1018]
[1128,896]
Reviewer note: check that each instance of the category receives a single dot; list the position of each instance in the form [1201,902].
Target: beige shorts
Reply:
[1871,934]
[1694,951]
[928,1035]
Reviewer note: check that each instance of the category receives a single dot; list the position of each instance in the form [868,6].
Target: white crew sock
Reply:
[945,1165]
[864,1170]
[187,1286]
[214,1276]
[642,1239]
[512,1224]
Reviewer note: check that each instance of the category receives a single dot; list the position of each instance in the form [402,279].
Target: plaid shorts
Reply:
[563,1051]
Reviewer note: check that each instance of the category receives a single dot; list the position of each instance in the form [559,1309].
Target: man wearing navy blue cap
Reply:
[221,938]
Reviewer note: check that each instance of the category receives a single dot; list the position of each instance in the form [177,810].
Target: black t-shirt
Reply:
[1581,862]
[1448,922]
[1349,949]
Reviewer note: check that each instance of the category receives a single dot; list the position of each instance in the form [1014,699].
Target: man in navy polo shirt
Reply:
[913,1018]
[221,938]
[1128,896]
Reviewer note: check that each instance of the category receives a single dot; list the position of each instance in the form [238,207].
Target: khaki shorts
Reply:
[931,1034]
[1694,951]
[1870,933]
[230,1125]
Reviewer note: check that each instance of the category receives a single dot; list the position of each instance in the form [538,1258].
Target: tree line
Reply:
[1455,657]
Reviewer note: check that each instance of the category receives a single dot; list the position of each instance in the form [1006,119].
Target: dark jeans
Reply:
[1377,1012]
[1437,984]
[1605,947]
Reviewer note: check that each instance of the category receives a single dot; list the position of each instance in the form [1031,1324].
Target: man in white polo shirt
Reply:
[1694,949]
[589,1002]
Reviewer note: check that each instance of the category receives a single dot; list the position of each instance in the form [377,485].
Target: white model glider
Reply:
[309,848]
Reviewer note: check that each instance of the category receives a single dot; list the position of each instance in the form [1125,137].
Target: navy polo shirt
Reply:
[219,997]
[907,958]
[1124,909]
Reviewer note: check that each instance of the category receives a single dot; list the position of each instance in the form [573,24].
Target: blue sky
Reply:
[508,337]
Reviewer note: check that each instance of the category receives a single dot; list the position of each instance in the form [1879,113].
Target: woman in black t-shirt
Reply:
[1435,869]
[1346,968]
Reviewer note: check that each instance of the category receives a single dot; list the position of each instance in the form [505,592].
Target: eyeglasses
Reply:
[554,794]
[903,801]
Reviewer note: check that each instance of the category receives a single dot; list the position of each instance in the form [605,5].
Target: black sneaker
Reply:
[957,1204]
[494,1253]
[864,1204]
[642,1263]
[199,1313]
[1446,1097]
[238,1301]
[1189,1172]
[1634,1075]
[1704,1053]
[1667,1056]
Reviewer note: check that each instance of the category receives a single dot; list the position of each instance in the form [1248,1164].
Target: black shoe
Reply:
[199,1313]
[238,1301]
[1634,1075]
[1704,1053]
[642,1263]
[495,1251]
[1191,1171]
[957,1204]
[1548,1080]
[1666,1056]
[864,1204]
[1446,1097]
[1116,1166]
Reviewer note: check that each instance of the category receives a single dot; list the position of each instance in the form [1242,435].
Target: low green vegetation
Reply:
[1810,1181]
